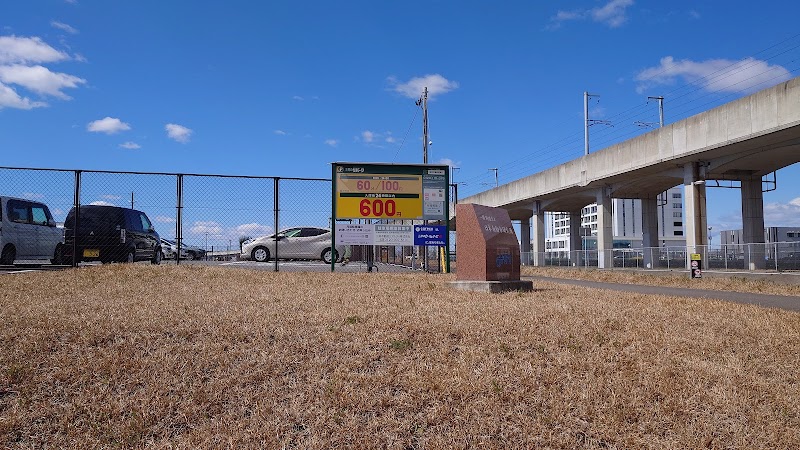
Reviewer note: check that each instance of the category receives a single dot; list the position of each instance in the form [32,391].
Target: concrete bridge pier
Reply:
[605,232]
[525,240]
[649,231]
[753,223]
[576,252]
[538,235]
[694,206]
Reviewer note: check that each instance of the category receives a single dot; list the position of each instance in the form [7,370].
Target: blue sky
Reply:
[283,88]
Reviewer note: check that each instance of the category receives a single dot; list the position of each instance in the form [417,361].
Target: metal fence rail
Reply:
[772,256]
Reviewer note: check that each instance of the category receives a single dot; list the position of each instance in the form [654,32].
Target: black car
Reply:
[111,234]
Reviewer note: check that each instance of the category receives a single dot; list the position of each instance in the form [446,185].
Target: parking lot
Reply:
[288,266]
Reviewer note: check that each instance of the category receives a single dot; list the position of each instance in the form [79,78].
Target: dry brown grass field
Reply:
[667,279]
[128,356]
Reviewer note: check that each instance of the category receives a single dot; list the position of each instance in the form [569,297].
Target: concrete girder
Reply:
[755,163]
[568,203]
[648,187]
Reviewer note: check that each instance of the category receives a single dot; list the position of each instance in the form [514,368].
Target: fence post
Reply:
[179,218]
[77,205]
[276,205]
[776,256]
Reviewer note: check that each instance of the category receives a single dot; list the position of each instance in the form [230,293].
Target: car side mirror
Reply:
[51,223]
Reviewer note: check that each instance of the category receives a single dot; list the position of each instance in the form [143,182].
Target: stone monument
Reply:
[487,250]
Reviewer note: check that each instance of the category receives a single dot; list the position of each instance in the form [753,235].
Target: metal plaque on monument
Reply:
[487,250]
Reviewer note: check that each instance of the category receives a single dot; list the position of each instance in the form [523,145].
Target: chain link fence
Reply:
[771,256]
[79,217]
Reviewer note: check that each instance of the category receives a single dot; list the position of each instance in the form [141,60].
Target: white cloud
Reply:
[375,139]
[298,98]
[612,14]
[413,88]
[39,79]
[332,142]
[775,215]
[19,65]
[252,229]
[782,214]
[214,234]
[164,219]
[449,162]
[210,227]
[280,132]
[110,197]
[714,75]
[10,99]
[63,27]
[22,50]
[108,125]
[32,196]
[101,203]
[130,145]
[178,133]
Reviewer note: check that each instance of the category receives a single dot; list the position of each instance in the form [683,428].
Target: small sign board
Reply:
[354,234]
[430,235]
[393,235]
[696,265]
[373,234]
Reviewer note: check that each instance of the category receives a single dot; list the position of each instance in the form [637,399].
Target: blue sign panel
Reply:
[430,234]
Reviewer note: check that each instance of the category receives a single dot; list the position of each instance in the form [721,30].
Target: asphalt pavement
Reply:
[787,302]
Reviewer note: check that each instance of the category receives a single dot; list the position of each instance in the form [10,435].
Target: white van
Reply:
[28,232]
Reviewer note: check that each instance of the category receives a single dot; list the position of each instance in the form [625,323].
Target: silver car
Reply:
[293,243]
[169,250]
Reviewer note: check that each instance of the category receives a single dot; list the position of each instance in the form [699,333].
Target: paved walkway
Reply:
[787,302]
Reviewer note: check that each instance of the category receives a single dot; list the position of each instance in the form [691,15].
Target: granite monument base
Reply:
[494,287]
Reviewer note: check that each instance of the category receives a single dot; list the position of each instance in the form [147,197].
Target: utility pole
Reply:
[660,109]
[423,102]
[131,200]
[660,113]
[495,176]
[587,122]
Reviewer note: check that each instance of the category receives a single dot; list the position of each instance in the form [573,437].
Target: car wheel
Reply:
[260,254]
[9,255]
[326,255]
[157,258]
[191,256]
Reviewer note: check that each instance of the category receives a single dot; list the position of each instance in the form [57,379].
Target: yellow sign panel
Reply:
[378,196]
[695,257]
[378,208]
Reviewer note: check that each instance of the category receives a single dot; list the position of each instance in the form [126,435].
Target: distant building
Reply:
[626,224]
[784,240]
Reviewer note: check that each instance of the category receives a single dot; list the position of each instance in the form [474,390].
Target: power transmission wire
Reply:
[413,119]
